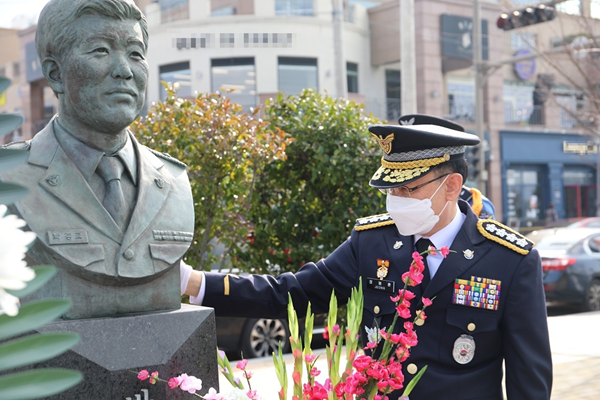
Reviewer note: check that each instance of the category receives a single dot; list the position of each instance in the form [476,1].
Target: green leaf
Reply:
[37,383]
[411,385]
[9,122]
[11,158]
[31,316]
[35,348]
[43,274]
[9,192]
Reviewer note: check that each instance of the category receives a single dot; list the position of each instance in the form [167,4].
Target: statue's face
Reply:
[104,74]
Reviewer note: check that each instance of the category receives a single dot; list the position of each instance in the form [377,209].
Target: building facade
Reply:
[538,151]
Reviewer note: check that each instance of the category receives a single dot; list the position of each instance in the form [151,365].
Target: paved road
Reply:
[575,341]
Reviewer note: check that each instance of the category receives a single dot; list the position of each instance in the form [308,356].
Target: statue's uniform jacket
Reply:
[516,332]
[76,232]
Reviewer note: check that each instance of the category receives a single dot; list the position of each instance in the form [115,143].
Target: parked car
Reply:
[571,265]
[260,337]
[591,222]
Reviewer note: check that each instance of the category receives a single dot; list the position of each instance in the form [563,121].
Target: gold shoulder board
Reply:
[502,234]
[374,221]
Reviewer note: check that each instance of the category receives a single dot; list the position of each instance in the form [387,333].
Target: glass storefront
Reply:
[580,191]
[524,184]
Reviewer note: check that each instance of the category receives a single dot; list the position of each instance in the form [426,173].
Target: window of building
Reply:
[236,77]
[461,98]
[524,194]
[296,74]
[294,7]
[595,9]
[174,10]
[223,11]
[518,103]
[572,7]
[522,40]
[352,77]
[392,94]
[178,75]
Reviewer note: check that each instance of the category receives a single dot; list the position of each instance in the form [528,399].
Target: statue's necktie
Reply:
[110,170]
[422,245]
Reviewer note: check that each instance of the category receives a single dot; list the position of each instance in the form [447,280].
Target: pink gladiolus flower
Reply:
[445,251]
[251,394]
[143,375]
[326,333]
[403,311]
[315,372]
[174,382]
[371,345]
[248,374]
[421,315]
[296,377]
[213,395]
[336,329]
[190,384]
[153,377]
[409,326]
[408,295]
[427,302]
[297,353]
[418,261]
[431,250]
[242,364]
[310,358]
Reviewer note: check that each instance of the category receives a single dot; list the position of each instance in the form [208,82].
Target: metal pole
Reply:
[338,49]
[408,71]
[479,81]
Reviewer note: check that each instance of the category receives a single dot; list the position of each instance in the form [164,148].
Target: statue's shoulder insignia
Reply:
[502,234]
[168,157]
[18,145]
[374,221]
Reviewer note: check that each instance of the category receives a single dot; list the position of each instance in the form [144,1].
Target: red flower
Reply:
[242,364]
[445,251]
[143,375]
[427,301]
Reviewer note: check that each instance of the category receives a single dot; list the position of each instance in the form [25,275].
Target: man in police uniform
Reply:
[488,300]
[116,217]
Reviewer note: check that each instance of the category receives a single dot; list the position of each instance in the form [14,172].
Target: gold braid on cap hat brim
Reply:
[427,162]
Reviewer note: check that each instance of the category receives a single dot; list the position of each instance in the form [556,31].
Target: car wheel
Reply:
[261,337]
[592,298]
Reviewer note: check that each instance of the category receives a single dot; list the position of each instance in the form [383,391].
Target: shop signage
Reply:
[580,148]
[457,36]
[525,69]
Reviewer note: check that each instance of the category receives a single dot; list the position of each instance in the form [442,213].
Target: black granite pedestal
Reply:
[172,343]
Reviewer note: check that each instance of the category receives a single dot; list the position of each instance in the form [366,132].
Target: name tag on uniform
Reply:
[71,236]
[381,285]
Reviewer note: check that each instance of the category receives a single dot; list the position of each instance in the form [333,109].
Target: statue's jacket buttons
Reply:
[128,254]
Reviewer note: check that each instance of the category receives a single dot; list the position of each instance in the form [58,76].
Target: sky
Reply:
[20,13]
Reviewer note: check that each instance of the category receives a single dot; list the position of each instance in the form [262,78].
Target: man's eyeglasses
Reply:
[405,191]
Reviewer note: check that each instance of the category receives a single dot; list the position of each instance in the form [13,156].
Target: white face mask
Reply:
[413,216]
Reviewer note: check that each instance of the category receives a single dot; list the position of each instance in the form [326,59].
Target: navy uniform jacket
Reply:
[516,332]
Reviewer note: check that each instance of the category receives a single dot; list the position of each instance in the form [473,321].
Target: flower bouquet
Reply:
[360,376]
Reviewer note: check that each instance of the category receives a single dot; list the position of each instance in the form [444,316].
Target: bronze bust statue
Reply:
[116,217]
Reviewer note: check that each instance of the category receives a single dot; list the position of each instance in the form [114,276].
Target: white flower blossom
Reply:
[13,269]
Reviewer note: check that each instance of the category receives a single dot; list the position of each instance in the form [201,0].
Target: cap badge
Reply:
[398,244]
[409,122]
[468,254]
[383,265]
[464,349]
[386,144]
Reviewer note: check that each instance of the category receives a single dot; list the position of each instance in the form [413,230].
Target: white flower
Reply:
[13,269]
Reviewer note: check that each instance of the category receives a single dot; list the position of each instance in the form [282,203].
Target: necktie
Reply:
[422,245]
[110,170]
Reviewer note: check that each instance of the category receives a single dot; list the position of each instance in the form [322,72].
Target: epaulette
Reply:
[502,234]
[168,157]
[18,145]
[374,221]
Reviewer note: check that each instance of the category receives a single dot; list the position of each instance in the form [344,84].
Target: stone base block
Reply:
[172,343]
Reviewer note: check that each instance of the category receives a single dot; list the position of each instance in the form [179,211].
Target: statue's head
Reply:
[93,55]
